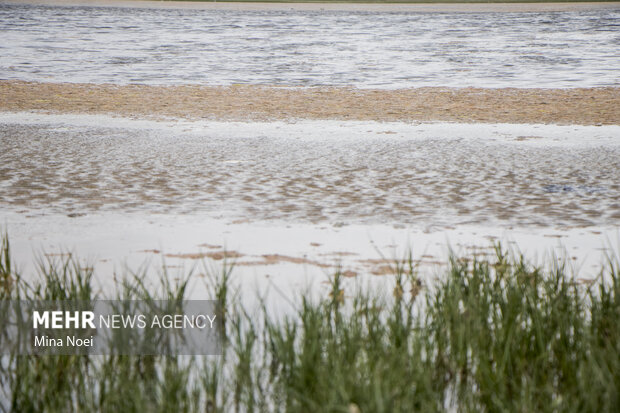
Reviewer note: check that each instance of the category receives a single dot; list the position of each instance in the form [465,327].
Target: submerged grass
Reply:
[490,335]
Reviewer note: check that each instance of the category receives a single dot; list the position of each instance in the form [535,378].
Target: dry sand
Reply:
[586,106]
[393,6]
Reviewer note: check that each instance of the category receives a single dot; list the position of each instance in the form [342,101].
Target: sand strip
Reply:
[586,106]
[393,6]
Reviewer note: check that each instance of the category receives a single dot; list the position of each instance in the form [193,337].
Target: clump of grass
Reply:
[489,335]
[7,273]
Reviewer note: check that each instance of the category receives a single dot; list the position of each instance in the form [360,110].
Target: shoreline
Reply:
[351,7]
[583,106]
[264,252]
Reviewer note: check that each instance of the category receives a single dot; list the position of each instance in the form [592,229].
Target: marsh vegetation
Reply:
[488,335]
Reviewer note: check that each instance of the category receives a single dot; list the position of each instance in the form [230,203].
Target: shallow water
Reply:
[378,50]
[314,172]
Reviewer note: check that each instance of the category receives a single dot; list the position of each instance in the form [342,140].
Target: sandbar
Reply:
[574,106]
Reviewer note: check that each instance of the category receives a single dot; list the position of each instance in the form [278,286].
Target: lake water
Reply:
[309,48]
[316,195]
[314,171]
[321,194]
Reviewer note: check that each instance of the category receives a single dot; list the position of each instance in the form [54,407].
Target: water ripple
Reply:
[308,48]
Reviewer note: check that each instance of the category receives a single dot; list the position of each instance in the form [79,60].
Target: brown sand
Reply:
[219,255]
[584,106]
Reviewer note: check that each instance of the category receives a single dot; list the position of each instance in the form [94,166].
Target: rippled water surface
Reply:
[384,50]
[316,172]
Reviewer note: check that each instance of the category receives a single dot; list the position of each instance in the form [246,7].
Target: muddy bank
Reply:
[585,106]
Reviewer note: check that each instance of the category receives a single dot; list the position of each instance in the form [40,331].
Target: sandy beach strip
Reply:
[393,6]
[585,106]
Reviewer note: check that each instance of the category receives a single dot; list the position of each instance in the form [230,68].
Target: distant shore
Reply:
[334,6]
[579,106]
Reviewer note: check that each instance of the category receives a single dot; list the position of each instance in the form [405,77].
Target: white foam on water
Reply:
[303,129]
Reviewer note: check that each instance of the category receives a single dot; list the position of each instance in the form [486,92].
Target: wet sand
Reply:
[318,172]
[583,106]
[394,6]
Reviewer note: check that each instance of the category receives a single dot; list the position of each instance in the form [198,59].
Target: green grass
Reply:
[495,336]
